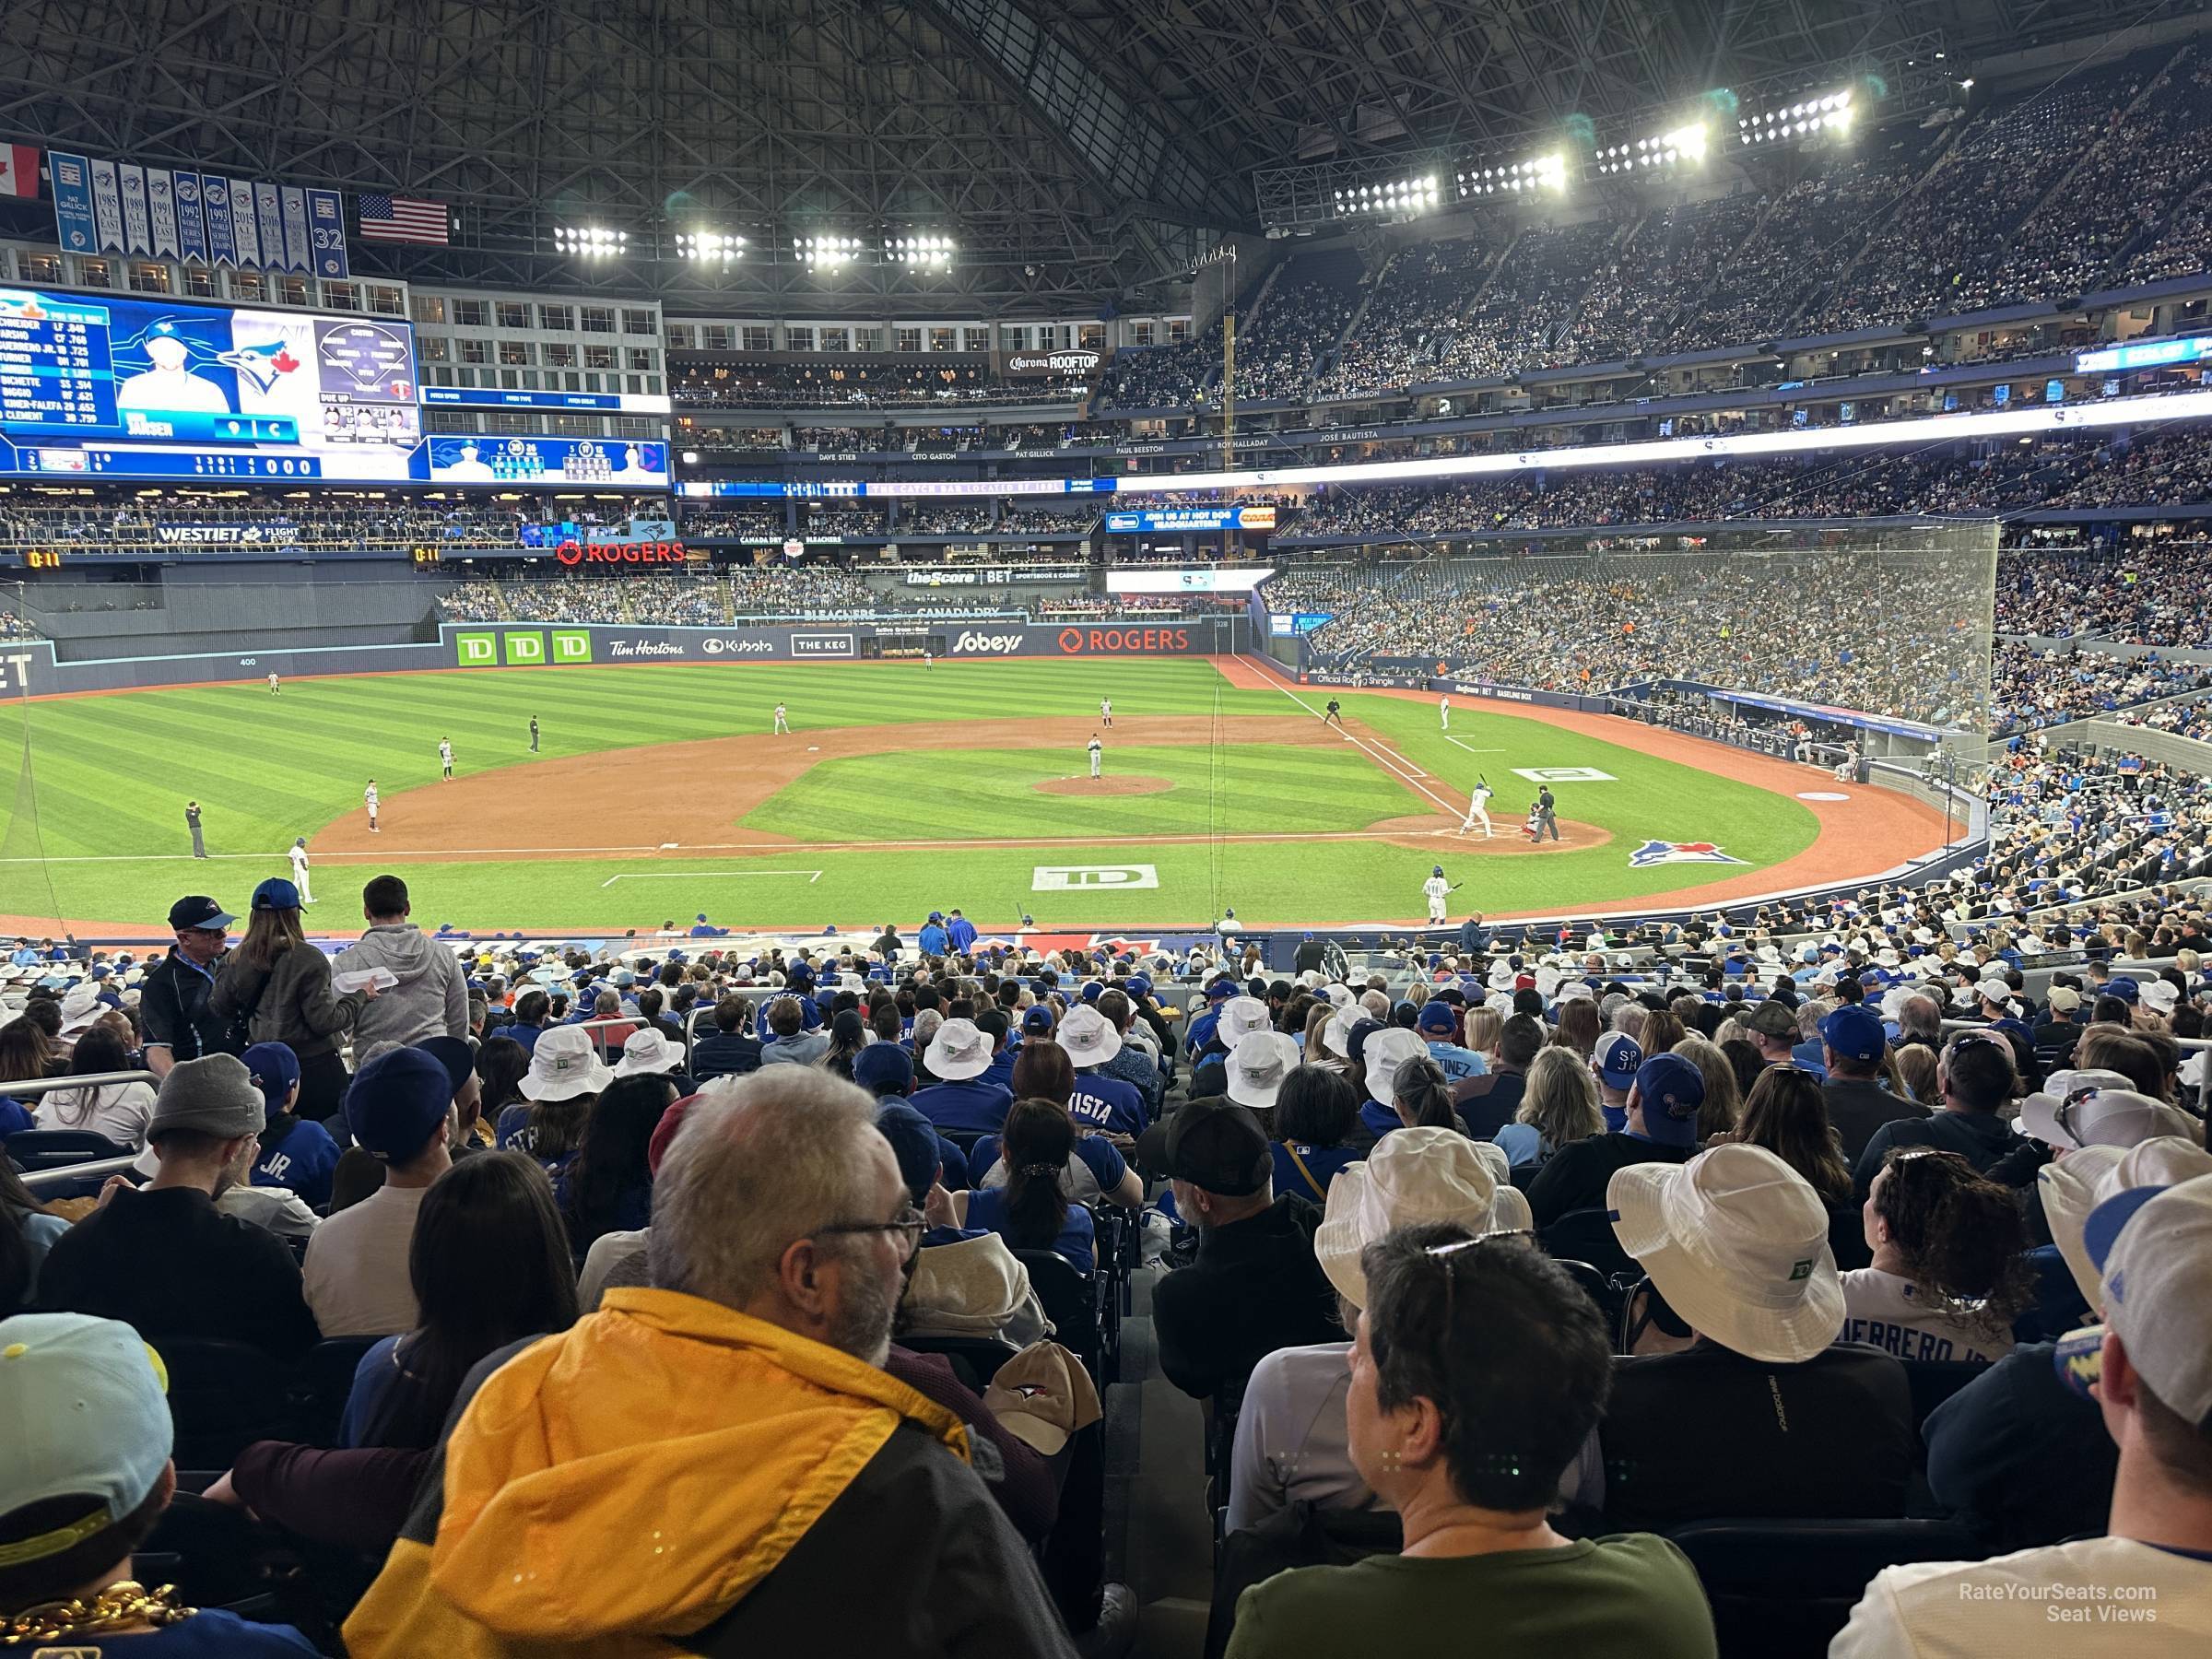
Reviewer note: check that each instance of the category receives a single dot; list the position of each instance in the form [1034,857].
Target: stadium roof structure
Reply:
[1072,151]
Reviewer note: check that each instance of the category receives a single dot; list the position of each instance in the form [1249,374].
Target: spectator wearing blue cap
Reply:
[294,1153]
[277,986]
[1853,1043]
[1615,1059]
[933,938]
[701,929]
[1201,1035]
[357,1274]
[1661,1127]
[1438,1027]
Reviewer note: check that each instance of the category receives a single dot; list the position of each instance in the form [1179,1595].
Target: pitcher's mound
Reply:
[1103,786]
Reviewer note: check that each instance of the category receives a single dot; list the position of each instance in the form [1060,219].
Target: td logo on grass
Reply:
[1092,879]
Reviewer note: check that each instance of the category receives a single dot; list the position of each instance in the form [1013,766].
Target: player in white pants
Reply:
[1106,710]
[1444,709]
[298,858]
[273,690]
[369,800]
[1097,755]
[1479,811]
[1433,890]
[781,725]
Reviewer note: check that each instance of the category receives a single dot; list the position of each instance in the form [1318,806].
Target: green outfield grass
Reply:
[94,825]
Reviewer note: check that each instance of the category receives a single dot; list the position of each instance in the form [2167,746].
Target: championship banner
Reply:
[169,213]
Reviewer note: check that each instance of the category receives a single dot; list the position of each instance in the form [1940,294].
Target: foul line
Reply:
[1405,769]
[1470,747]
[811,876]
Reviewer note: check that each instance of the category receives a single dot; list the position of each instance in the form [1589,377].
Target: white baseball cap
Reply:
[2076,1183]
[1386,1051]
[1257,1066]
[1241,1015]
[83,1413]
[2154,1248]
[1414,1174]
[1087,1036]
[960,1050]
[1736,1242]
[563,1065]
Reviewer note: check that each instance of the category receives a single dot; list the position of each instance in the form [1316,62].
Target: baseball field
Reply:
[661,791]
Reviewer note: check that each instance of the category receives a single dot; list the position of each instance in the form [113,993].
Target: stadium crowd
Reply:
[2141,593]
[1596,623]
[2031,689]
[751,1204]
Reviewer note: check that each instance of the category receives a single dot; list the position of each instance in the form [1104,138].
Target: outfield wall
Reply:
[28,667]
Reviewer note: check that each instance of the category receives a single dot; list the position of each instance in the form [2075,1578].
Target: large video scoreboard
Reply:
[141,389]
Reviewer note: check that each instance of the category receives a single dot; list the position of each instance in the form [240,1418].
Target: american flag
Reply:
[396,218]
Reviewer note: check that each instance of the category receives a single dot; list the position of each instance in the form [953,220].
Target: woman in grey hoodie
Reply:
[278,986]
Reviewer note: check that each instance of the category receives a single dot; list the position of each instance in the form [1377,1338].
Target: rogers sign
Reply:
[650,552]
[1085,641]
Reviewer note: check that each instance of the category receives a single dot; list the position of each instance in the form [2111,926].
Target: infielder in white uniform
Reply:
[1444,709]
[298,858]
[781,725]
[1097,755]
[1433,890]
[369,800]
[1106,710]
[1478,810]
[445,758]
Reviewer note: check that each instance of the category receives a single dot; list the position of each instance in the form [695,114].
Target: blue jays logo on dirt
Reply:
[1665,853]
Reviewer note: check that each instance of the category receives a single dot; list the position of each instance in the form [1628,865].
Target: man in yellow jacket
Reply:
[716,1465]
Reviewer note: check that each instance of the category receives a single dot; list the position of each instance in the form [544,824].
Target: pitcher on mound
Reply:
[1097,755]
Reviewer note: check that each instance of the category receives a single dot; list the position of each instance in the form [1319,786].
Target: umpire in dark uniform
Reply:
[191,822]
[1547,817]
[173,1002]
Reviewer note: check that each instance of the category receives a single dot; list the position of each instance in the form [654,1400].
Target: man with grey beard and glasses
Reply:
[717,1462]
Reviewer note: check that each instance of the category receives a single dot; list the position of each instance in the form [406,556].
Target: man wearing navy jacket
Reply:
[959,932]
[1202,1028]
[964,1099]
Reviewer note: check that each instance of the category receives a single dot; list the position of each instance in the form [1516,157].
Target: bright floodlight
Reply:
[710,247]
[590,242]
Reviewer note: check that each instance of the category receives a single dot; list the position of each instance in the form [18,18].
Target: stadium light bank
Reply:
[1658,452]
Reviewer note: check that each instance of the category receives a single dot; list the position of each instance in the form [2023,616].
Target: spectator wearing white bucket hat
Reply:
[1240,1017]
[1290,1436]
[1736,1242]
[565,1070]
[1384,1052]
[958,1055]
[2152,1373]
[1258,1068]
[1099,1102]
[2015,1453]
[647,1053]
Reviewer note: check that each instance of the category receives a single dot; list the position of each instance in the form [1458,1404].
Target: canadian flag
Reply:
[18,171]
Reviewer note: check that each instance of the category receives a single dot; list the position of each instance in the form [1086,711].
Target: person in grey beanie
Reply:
[163,1257]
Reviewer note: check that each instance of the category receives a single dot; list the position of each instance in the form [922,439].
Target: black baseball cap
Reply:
[199,910]
[1214,1144]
